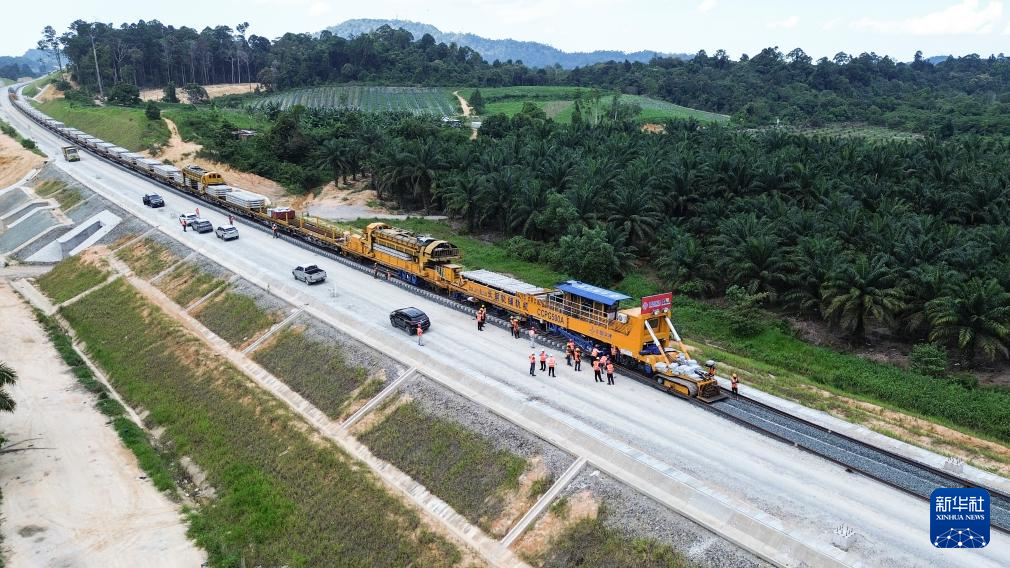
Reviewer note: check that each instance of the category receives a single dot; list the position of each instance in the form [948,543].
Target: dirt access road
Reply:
[82,500]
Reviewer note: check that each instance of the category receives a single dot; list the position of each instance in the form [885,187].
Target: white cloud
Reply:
[786,24]
[965,17]
[830,24]
[706,6]
[318,8]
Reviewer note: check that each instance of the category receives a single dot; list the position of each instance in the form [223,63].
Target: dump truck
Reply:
[70,153]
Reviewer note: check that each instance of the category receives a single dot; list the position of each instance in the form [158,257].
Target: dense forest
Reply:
[966,94]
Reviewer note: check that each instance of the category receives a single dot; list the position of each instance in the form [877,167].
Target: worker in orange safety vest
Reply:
[596,371]
[550,366]
[533,364]
[543,360]
[610,372]
[578,358]
[735,383]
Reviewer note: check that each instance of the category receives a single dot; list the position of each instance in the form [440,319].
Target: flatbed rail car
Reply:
[588,315]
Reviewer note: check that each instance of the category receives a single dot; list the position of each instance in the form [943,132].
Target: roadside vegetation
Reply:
[72,277]
[318,371]
[26,143]
[590,542]
[461,467]
[234,317]
[158,469]
[66,195]
[147,257]
[187,283]
[282,496]
[126,127]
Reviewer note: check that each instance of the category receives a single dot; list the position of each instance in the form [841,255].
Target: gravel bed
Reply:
[638,516]
[265,301]
[356,354]
[504,435]
[916,479]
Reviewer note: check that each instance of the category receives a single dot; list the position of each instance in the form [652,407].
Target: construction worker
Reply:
[480,322]
[613,353]
[533,364]
[197,211]
[603,361]
[231,219]
[543,360]
[596,353]
[515,327]
[735,384]
[578,358]
[568,355]
[610,372]
[183,222]
[533,337]
[274,229]
[550,366]
[596,371]
[375,270]
[419,333]
[389,275]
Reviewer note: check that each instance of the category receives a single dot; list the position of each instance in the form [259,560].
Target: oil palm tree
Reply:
[8,376]
[859,292]
[975,318]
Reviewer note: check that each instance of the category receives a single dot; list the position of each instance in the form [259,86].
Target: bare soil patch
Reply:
[213,91]
[15,161]
[653,128]
[48,93]
[181,153]
[517,501]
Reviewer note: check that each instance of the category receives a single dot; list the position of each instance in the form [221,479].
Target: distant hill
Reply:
[937,59]
[531,53]
[29,60]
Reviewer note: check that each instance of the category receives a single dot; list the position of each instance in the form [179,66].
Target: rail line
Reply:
[907,475]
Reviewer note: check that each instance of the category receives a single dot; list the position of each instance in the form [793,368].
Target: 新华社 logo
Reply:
[959,518]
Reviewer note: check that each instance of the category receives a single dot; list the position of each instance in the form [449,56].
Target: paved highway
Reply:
[799,497]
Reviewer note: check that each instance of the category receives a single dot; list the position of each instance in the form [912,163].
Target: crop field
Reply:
[558,103]
[318,371]
[282,498]
[418,100]
[235,317]
[186,283]
[126,127]
[454,463]
[147,258]
[72,277]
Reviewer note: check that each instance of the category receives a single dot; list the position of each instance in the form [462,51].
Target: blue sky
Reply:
[896,28]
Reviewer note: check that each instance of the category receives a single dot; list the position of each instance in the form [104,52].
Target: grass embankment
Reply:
[558,103]
[778,362]
[234,317]
[65,195]
[590,542]
[318,371]
[72,277]
[147,257]
[461,467]
[133,436]
[123,126]
[186,283]
[192,120]
[26,143]
[283,497]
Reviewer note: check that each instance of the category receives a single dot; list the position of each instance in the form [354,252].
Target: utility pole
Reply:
[94,53]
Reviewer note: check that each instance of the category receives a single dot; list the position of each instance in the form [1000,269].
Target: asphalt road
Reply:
[802,495]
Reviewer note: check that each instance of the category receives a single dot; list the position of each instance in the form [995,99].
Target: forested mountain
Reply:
[531,53]
[34,62]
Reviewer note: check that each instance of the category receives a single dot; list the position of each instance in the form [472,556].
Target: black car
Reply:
[408,318]
[153,200]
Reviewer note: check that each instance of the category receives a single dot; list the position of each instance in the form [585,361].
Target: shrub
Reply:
[28,144]
[928,359]
[170,95]
[522,248]
[151,111]
[746,319]
[124,94]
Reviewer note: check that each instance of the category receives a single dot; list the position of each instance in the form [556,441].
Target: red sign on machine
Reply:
[657,303]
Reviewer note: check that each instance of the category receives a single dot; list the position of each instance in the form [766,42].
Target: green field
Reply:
[186,283]
[193,119]
[282,496]
[234,317]
[126,127]
[558,103]
[418,100]
[147,258]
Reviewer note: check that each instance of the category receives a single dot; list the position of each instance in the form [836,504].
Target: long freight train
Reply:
[644,337]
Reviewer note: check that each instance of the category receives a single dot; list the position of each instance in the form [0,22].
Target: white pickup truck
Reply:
[309,274]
